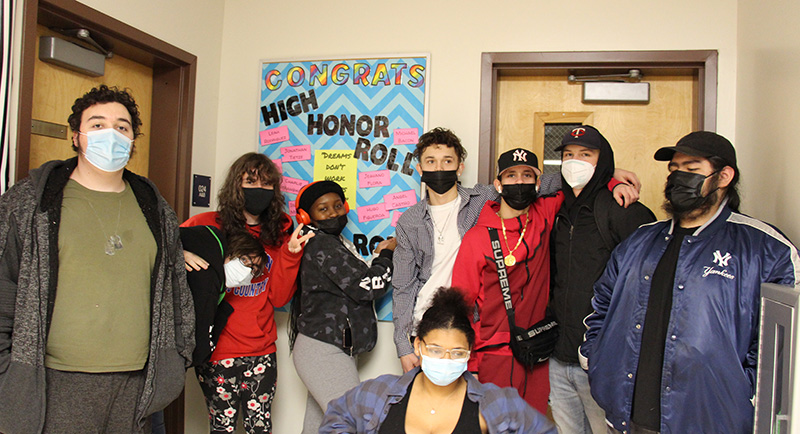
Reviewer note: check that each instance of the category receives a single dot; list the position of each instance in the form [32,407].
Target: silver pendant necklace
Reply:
[440,233]
[113,241]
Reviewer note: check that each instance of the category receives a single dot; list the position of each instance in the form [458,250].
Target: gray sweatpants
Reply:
[79,402]
[327,373]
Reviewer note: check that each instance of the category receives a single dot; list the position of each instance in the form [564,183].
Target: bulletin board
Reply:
[355,121]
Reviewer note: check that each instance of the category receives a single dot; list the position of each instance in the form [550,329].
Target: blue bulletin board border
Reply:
[354,120]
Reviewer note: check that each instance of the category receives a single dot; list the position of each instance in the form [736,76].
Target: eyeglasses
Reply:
[438,352]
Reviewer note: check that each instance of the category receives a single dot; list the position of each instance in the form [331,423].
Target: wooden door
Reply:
[635,131]
[55,90]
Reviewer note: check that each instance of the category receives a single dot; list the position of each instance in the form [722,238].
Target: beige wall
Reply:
[455,33]
[768,110]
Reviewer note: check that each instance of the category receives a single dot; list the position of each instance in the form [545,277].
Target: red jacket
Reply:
[251,330]
[476,274]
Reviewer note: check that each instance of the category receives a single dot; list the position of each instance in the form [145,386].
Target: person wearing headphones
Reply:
[333,317]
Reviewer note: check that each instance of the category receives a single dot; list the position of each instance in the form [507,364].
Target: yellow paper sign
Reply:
[340,167]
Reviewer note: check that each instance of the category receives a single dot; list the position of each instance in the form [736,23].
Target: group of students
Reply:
[333,319]
[529,283]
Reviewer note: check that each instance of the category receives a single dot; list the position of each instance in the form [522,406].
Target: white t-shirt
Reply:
[446,242]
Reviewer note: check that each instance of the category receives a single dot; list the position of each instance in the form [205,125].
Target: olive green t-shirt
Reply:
[101,317]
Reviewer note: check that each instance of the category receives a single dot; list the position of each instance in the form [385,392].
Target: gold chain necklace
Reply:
[510,260]
[445,399]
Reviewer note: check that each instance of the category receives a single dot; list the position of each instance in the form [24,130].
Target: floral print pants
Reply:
[241,383]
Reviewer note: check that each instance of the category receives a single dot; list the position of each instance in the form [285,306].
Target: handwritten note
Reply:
[292,208]
[274,135]
[340,167]
[395,216]
[372,212]
[377,178]
[296,153]
[292,185]
[402,199]
[406,136]
[279,164]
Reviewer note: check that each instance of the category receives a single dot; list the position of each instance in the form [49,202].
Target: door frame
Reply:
[493,64]
[174,76]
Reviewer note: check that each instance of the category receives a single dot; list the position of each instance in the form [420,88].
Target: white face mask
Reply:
[577,173]
[237,274]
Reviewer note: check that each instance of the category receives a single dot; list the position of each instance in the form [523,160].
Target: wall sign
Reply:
[354,121]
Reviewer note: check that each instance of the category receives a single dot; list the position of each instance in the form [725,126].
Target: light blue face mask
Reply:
[442,372]
[108,149]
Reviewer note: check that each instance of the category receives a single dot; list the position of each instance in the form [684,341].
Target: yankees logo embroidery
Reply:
[721,260]
[577,132]
[520,155]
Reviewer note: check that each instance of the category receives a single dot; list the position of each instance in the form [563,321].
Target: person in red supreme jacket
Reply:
[242,372]
[523,223]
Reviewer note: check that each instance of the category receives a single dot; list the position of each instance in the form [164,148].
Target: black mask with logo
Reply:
[684,191]
[332,226]
[519,196]
[256,200]
[440,181]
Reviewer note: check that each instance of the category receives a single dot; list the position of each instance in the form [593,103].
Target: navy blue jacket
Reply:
[711,349]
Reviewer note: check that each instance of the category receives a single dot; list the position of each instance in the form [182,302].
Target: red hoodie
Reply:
[251,330]
[475,274]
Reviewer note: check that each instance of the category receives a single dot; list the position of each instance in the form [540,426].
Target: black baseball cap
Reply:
[518,157]
[584,135]
[701,144]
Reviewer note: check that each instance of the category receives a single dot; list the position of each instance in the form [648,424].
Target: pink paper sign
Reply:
[278,163]
[296,153]
[372,212]
[406,136]
[292,185]
[274,135]
[402,199]
[395,216]
[377,178]
[292,208]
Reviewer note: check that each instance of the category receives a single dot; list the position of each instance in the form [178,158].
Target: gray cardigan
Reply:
[29,222]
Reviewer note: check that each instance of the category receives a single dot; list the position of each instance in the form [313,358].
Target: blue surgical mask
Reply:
[108,150]
[442,372]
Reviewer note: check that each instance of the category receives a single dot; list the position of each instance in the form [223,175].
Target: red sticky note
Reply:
[274,135]
[279,164]
[395,216]
[406,136]
[372,212]
[292,185]
[292,208]
[377,178]
[296,153]
[402,199]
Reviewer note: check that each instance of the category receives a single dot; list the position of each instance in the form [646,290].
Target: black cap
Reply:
[517,157]
[584,135]
[701,144]
[311,192]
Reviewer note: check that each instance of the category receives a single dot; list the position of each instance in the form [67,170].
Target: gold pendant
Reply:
[510,260]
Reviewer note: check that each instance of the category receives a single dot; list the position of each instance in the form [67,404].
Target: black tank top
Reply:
[395,422]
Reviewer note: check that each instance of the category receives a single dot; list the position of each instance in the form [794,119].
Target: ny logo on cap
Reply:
[577,132]
[520,155]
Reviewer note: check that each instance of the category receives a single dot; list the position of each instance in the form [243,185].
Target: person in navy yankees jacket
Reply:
[672,344]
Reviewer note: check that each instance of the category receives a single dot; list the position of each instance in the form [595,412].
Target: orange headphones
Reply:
[301,215]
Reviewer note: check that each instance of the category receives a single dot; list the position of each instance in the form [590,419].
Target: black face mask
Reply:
[440,181]
[519,196]
[332,226]
[684,191]
[256,200]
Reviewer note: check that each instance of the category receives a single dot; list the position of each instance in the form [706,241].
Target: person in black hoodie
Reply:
[588,226]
